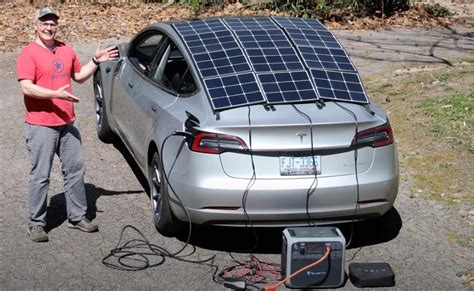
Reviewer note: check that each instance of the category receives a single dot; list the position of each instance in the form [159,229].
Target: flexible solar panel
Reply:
[273,57]
[266,45]
[245,61]
[333,74]
[345,86]
[317,45]
[213,47]
[221,62]
[232,91]
[287,87]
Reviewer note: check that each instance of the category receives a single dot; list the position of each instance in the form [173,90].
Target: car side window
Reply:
[172,72]
[143,50]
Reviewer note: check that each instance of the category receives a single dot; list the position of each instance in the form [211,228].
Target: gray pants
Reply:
[43,142]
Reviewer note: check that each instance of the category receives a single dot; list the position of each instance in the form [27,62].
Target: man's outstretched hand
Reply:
[62,93]
[107,54]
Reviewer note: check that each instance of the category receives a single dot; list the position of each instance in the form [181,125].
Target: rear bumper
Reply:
[213,197]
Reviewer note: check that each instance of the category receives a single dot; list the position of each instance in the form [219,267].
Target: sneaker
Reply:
[38,234]
[84,225]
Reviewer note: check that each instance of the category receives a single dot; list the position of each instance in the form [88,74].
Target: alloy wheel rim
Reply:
[156,197]
[98,105]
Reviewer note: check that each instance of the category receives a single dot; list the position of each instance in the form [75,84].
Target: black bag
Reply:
[371,275]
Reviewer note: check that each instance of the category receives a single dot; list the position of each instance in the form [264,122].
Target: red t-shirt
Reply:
[51,70]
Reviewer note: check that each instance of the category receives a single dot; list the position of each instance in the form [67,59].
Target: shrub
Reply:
[438,10]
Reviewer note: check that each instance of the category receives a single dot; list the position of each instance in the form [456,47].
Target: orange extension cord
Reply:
[274,287]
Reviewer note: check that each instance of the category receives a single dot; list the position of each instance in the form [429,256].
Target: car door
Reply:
[158,91]
[135,67]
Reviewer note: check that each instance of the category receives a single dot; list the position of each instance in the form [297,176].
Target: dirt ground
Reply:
[428,243]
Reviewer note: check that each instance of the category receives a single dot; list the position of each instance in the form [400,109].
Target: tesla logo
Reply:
[301,135]
[58,66]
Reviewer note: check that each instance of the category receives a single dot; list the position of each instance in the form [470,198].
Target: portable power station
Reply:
[302,246]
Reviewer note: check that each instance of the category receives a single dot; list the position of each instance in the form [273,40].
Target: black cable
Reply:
[354,116]
[354,255]
[127,252]
[177,196]
[248,187]
[314,183]
[250,183]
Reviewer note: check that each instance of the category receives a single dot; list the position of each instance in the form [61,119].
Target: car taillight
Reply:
[375,137]
[217,143]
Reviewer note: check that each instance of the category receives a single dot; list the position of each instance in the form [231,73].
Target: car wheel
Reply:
[164,220]
[104,132]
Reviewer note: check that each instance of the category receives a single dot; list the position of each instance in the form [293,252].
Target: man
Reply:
[45,68]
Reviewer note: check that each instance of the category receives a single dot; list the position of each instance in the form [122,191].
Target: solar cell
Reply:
[234,90]
[287,87]
[338,85]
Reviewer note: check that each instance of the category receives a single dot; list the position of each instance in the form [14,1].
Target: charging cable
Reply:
[354,116]
[250,183]
[274,287]
[181,204]
[314,183]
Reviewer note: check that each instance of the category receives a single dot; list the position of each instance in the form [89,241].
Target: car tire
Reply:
[104,132]
[164,220]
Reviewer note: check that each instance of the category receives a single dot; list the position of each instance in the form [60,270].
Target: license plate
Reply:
[293,166]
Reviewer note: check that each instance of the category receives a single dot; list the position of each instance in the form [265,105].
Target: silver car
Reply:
[257,121]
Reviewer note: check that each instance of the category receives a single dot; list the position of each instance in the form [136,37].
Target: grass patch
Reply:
[431,112]
[456,238]
[453,118]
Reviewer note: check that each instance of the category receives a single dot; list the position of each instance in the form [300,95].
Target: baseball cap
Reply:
[46,10]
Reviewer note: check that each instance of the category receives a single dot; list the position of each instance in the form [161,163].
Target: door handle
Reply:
[130,85]
[153,108]
[117,66]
